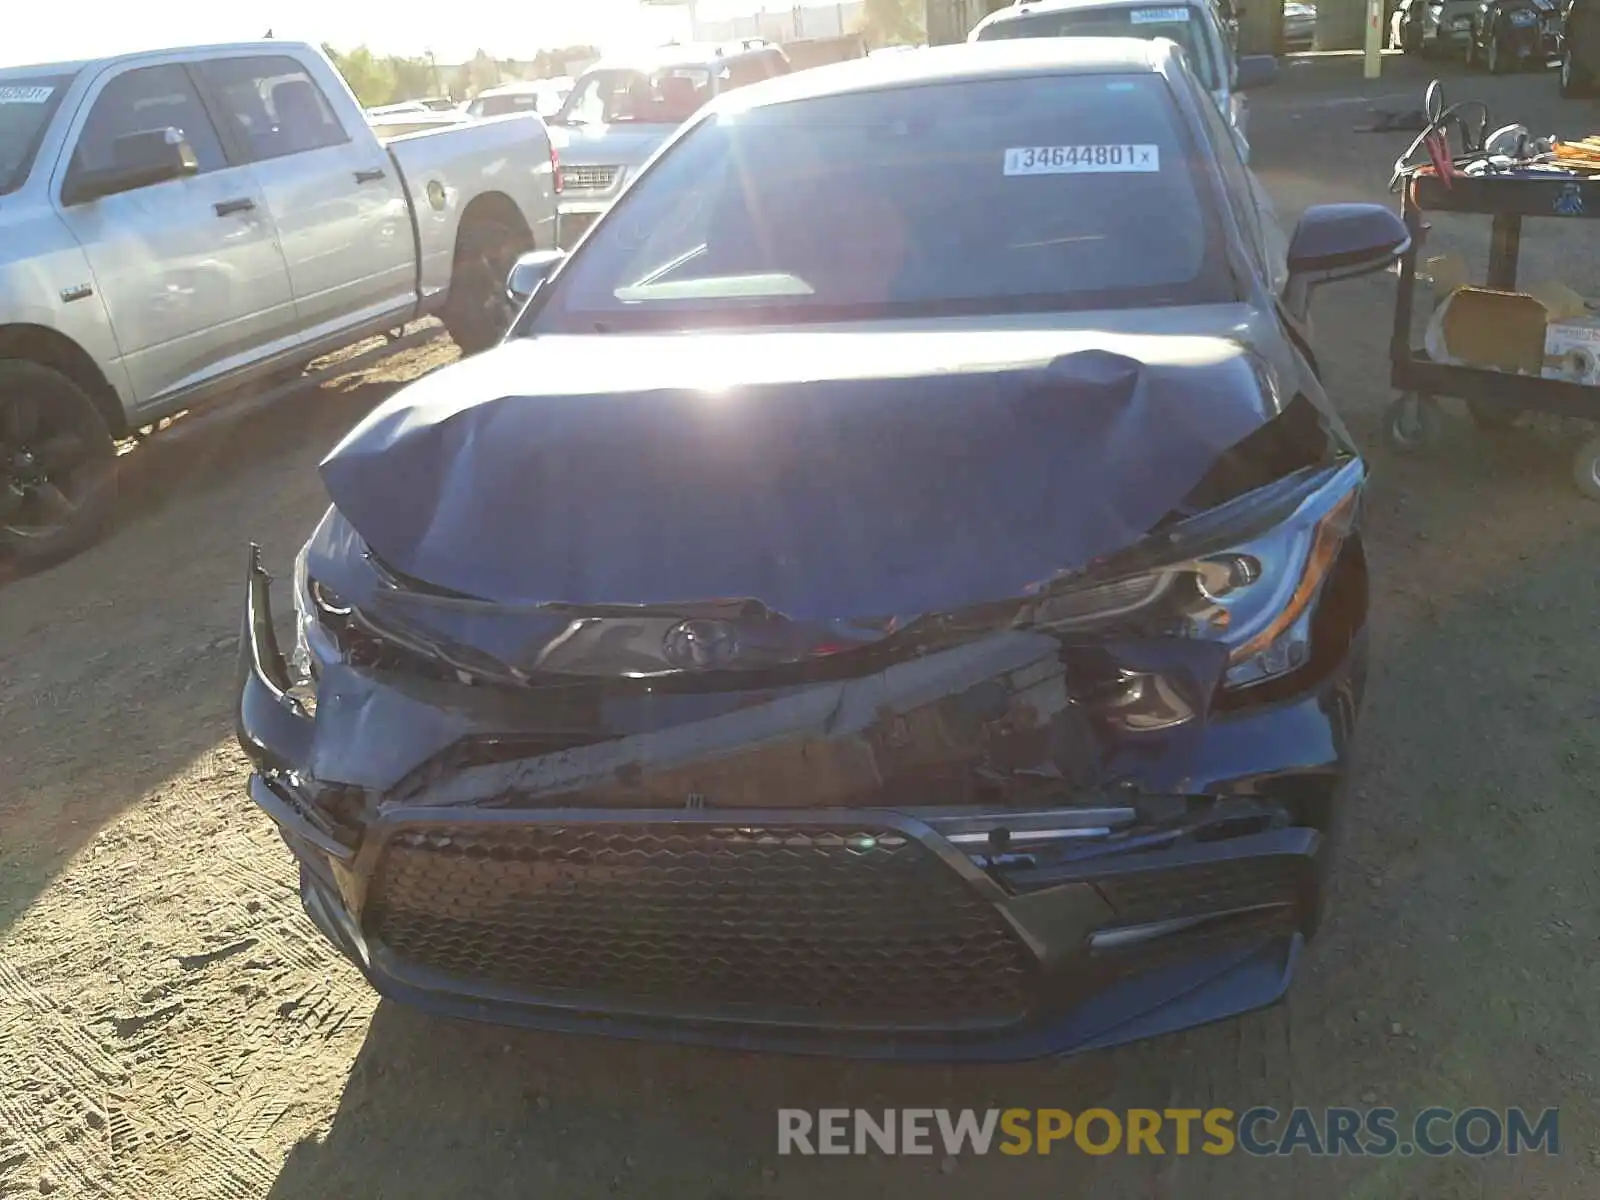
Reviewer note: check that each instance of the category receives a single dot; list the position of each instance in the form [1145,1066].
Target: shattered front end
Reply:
[1100,811]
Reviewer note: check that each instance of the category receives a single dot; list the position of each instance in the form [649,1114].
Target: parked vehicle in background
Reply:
[1442,28]
[1299,25]
[1511,35]
[542,96]
[958,650]
[1195,25]
[393,125]
[1580,49]
[623,108]
[805,53]
[175,225]
[404,106]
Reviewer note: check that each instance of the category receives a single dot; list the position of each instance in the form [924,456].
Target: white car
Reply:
[1195,25]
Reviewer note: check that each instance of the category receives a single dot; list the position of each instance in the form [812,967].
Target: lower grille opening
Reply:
[1244,883]
[837,927]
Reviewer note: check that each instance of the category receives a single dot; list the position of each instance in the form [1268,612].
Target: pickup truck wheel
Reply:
[58,465]
[479,311]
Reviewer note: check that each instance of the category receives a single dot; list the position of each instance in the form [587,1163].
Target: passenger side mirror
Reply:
[1256,71]
[138,160]
[530,272]
[1341,241]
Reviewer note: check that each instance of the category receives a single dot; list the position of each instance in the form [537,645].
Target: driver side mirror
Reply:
[138,160]
[530,272]
[1255,71]
[1341,241]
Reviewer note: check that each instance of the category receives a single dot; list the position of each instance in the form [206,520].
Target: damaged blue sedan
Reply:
[898,591]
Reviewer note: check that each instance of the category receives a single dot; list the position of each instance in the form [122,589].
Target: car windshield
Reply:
[1180,24]
[544,101]
[27,102]
[669,96]
[1019,194]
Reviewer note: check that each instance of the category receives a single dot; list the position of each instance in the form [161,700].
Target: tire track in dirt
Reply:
[219,1009]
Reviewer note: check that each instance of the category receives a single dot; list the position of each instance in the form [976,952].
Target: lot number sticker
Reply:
[1082,160]
[25,95]
[1157,16]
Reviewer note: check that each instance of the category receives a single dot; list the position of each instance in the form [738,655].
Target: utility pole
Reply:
[1372,65]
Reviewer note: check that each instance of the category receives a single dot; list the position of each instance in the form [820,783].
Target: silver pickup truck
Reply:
[178,225]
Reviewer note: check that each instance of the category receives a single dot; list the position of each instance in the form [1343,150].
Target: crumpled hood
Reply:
[608,145]
[833,476]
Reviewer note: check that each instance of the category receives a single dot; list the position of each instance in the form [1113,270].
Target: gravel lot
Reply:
[170,1026]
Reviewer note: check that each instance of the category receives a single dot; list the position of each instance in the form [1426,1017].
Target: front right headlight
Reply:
[1255,595]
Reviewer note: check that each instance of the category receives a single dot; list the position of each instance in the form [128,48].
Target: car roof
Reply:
[687,54]
[519,87]
[31,69]
[964,62]
[1018,12]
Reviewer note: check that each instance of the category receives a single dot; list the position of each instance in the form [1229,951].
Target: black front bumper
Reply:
[869,930]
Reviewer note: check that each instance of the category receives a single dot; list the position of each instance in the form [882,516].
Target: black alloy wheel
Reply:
[57,464]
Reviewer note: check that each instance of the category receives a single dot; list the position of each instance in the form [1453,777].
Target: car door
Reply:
[189,270]
[337,199]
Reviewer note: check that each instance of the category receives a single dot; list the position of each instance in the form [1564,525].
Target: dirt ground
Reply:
[171,1026]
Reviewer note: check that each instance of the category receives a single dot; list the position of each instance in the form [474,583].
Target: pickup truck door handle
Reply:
[226,208]
[371,175]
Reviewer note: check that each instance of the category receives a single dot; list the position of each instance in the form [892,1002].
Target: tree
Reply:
[371,79]
[893,22]
[483,71]
[413,79]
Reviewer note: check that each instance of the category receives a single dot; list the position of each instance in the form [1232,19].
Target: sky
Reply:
[453,31]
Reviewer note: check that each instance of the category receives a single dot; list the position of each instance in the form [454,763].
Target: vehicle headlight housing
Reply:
[315,610]
[1254,594]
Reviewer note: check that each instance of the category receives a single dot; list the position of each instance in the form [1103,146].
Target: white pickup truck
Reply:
[177,226]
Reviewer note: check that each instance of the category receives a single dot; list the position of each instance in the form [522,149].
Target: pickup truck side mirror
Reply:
[530,272]
[1255,71]
[1340,241]
[138,160]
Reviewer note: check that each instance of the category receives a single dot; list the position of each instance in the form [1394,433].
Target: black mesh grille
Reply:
[1214,887]
[843,926]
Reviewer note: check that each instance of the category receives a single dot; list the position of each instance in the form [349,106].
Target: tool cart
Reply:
[1507,176]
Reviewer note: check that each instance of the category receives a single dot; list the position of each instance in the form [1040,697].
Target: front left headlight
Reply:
[1254,595]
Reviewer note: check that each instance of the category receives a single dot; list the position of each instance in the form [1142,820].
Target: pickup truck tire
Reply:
[479,311]
[58,465]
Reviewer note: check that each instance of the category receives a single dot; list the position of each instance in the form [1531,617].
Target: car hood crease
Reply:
[837,479]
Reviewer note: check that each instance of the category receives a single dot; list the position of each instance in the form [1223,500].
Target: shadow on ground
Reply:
[116,666]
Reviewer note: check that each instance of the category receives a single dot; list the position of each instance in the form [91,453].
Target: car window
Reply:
[1179,23]
[1235,177]
[1221,48]
[274,106]
[511,102]
[141,100]
[961,197]
[669,96]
